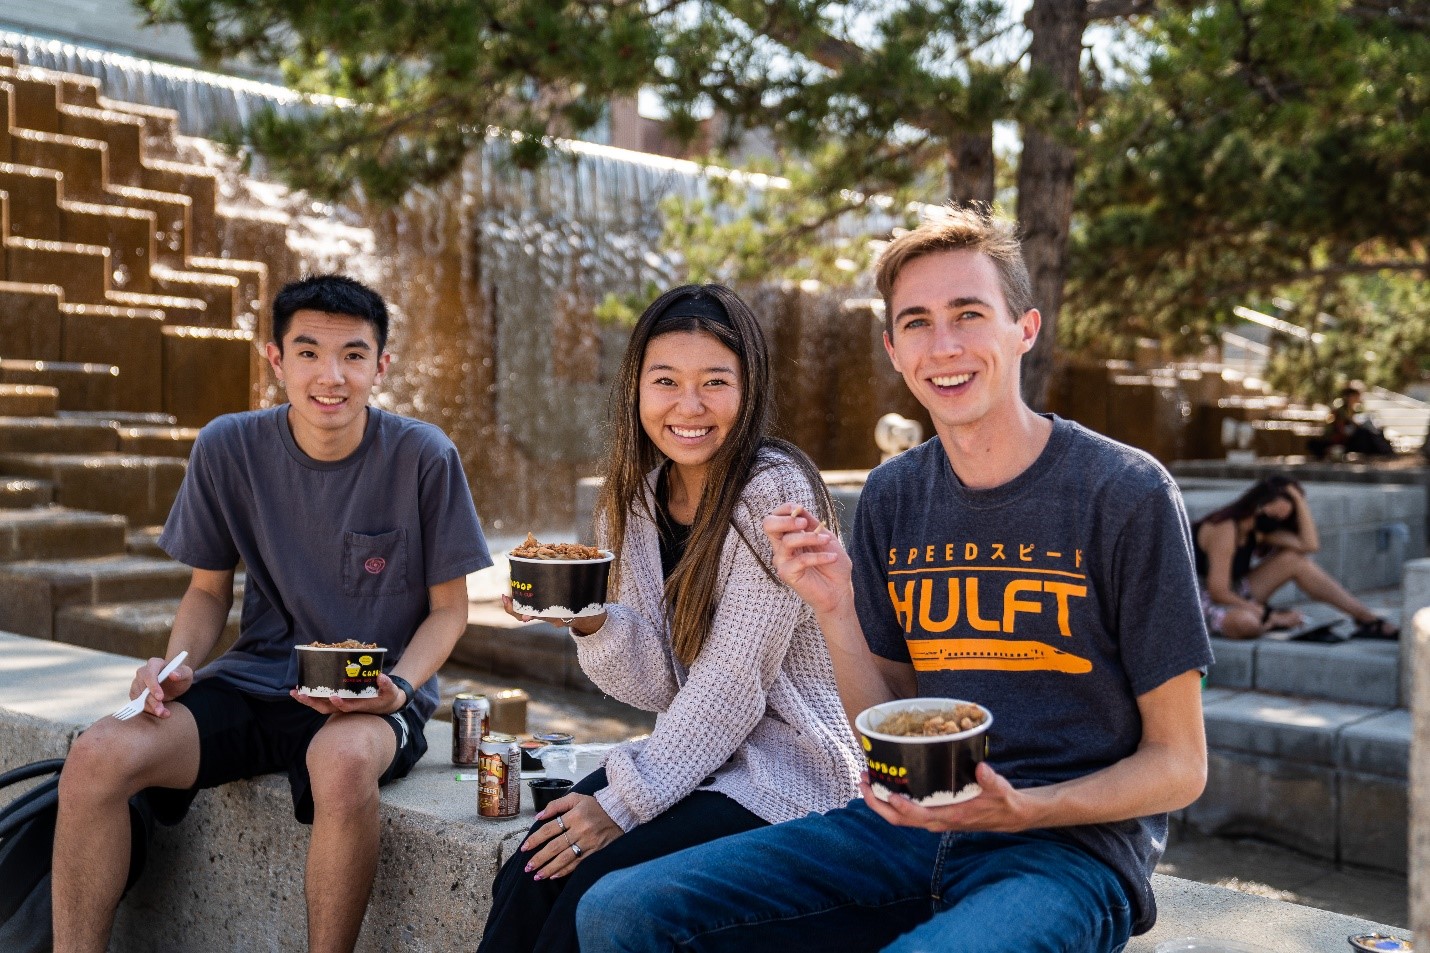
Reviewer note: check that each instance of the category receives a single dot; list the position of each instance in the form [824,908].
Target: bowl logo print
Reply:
[353,670]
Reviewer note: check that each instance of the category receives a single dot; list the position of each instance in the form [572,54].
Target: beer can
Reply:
[471,718]
[499,776]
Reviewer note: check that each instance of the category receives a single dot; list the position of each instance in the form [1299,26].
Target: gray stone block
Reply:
[1366,565]
[1360,672]
[432,891]
[1186,908]
[1281,801]
[587,489]
[1273,726]
[1235,665]
[1379,745]
[1415,595]
[1366,504]
[1331,505]
[1420,780]
[1406,502]
[1374,822]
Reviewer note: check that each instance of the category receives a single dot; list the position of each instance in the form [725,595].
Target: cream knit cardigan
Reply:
[758,709]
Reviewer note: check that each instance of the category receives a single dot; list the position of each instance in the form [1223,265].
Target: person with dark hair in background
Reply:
[750,731]
[1256,544]
[1350,429]
[349,522]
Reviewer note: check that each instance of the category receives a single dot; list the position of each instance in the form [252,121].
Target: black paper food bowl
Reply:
[348,673]
[930,769]
[559,588]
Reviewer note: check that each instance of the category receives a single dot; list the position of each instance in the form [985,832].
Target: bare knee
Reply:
[104,764]
[344,767]
[1240,624]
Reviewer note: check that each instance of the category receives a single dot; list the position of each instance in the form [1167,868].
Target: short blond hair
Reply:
[975,227]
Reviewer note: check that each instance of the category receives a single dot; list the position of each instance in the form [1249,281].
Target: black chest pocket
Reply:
[375,564]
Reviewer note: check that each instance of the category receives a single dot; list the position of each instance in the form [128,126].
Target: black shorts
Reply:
[242,735]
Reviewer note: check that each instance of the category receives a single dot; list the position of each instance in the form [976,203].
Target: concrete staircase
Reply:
[126,321]
[1309,744]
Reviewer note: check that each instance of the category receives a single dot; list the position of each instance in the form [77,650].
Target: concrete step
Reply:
[496,644]
[1326,778]
[140,629]
[122,418]
[206,373]
[158,441]
[46,532]
[139,488]
[32,592]
[17,493]
[144,541]
[1361,671]
[79,386]
[28,400]
[55,435]
[172,214]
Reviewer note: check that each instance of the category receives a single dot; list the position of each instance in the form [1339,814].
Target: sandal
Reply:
[1377,629]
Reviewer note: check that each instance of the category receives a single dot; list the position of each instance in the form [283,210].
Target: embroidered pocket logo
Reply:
[375,565]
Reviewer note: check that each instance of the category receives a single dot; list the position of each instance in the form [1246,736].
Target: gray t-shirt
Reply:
[333,550]
[1054,600]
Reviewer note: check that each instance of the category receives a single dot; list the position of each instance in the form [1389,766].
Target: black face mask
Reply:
[1266,523]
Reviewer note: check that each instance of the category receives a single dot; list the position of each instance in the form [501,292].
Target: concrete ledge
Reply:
[1326,778]
[234,868]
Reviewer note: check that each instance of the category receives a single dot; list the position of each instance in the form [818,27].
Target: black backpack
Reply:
[27,836]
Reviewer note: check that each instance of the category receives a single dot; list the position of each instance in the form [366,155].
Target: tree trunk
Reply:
[1045,180]
[970,167]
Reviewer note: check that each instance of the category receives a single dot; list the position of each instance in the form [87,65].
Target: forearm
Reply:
[198,624]
[626,659]
[859,674]
[1154,780]
[431,644]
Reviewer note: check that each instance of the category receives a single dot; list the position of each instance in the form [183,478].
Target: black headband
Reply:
[699,305]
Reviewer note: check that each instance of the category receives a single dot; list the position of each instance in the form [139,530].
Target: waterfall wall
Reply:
[493,279]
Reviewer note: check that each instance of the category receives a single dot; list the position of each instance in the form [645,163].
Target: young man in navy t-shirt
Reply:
[350,523]
[1017,560]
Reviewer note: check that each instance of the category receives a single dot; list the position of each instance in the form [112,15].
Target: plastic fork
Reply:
[137,705]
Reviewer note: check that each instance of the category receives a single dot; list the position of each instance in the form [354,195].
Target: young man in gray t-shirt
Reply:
[1016,560]
[350,523]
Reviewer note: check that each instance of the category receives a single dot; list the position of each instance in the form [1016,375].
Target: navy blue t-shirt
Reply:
[333,550]
[1054,600]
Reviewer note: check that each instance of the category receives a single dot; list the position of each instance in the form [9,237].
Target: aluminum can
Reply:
[499,776]
[471,718]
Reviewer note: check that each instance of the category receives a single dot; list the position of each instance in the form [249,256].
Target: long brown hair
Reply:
[691,590]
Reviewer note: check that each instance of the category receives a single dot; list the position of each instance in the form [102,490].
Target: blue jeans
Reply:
[848,880]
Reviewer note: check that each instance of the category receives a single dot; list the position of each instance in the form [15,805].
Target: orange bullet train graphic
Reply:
[999,655]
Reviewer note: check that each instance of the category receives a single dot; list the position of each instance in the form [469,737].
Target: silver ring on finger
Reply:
[561,823]
[576,848]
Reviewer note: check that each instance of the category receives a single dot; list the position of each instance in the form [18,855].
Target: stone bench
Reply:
[230,876]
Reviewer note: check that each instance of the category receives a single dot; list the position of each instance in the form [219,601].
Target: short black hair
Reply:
[330,294]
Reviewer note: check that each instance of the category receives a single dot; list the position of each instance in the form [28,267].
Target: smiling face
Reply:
[954,341]
[329,364]
[689,399]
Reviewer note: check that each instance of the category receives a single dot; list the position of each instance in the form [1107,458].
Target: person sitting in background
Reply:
[1255,545]
[1351,430]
